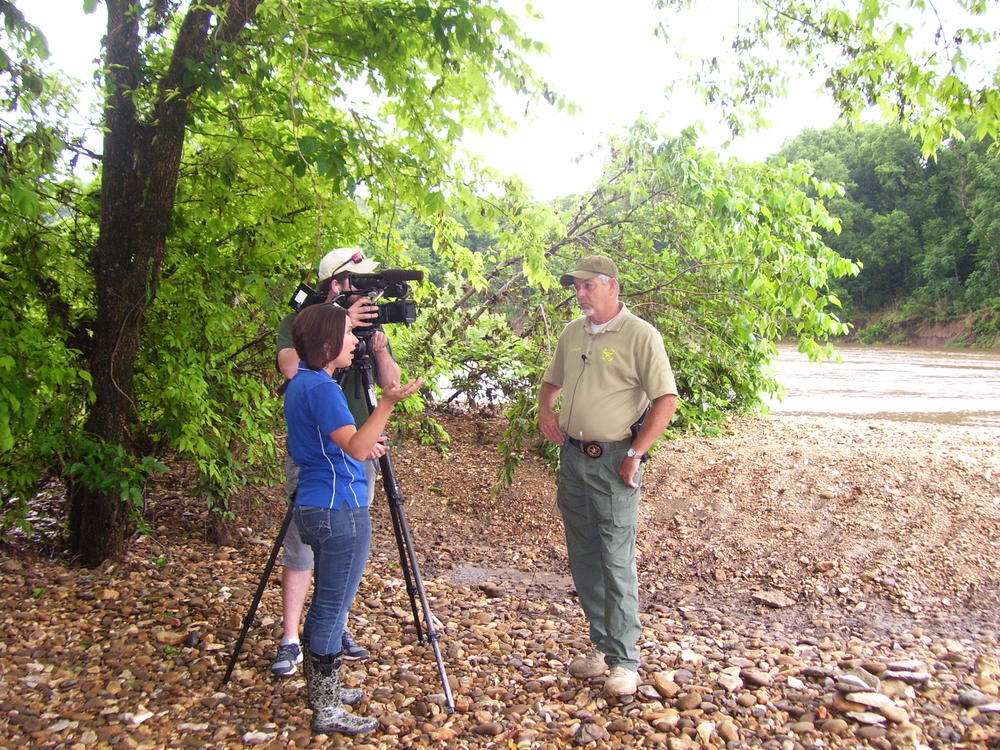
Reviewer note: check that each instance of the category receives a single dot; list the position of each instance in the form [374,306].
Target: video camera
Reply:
[391,283]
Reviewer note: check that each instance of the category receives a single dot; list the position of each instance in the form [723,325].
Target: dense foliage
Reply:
[932,69]
[243,139]
[43,383]
[926,231]
[725,258]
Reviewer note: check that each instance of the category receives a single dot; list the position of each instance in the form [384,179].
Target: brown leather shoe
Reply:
[590,665]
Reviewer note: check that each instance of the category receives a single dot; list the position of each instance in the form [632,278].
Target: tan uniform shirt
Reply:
[608,378]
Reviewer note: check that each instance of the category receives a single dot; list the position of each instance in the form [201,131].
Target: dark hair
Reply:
[341,278]
[318,334]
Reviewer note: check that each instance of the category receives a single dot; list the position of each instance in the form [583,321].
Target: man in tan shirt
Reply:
[609,365]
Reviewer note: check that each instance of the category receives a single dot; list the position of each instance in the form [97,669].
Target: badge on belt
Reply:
[594,450]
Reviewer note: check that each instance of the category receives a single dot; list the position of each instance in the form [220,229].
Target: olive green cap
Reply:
[588,268]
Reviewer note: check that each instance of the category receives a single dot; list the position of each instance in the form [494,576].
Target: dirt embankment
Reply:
[889,328]
[779,564]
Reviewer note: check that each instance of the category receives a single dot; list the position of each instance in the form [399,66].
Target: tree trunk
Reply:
[140,168]
[126,265]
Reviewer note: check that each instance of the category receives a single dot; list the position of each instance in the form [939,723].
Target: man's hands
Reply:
[362,312]
[628,470]
[548,417]
[548,424]
[378,342]
[379,449]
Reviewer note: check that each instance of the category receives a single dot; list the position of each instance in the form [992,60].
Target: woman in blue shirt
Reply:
[331,504]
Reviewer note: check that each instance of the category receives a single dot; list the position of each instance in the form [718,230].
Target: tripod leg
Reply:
[395,511]
[248,619]
[404,540]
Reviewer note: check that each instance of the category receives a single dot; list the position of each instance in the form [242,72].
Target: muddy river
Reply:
[952,386]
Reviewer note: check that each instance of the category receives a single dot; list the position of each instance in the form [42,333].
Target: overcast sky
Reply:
[603,56]
[606,58]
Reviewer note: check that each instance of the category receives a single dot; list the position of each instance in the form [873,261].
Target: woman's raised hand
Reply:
[395,392]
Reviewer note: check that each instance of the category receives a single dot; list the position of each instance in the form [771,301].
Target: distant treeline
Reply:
[927,231]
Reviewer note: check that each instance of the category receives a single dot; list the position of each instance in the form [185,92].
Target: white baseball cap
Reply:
[344,259]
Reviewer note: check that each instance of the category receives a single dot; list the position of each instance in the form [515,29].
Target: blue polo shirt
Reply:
[315,406]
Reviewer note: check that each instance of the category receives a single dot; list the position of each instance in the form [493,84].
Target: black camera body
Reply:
[397,311]
[390,283]
[385,284]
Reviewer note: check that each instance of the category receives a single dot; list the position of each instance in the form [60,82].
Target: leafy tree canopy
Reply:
[929,66]
[724,258]
[242,140]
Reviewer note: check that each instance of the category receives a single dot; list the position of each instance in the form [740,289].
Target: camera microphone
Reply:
[392,275]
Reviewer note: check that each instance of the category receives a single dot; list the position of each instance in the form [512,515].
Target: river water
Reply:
[953,386]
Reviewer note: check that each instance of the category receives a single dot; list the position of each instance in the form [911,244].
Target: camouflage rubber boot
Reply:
[324,696]
[349,696]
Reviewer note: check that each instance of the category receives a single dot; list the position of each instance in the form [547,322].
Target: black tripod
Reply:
[400,528]
[248,618]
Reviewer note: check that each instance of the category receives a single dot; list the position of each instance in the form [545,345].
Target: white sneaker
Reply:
[590,665]
[621,681]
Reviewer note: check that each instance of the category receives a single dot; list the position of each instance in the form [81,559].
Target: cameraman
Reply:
[297,561]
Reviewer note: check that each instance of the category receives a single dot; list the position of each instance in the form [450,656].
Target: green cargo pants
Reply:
[600,513]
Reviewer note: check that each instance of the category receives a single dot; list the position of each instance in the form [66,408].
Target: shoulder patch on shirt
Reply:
[608,354]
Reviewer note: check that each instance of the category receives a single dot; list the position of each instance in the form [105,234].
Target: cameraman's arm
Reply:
[288,362]
[387,371]
[287,359]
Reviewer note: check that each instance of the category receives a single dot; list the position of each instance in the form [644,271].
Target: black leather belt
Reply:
[594,449]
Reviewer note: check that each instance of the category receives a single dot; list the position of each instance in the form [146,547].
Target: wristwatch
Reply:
[632,454]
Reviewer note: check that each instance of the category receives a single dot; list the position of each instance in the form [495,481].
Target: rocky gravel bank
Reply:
[805,583]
